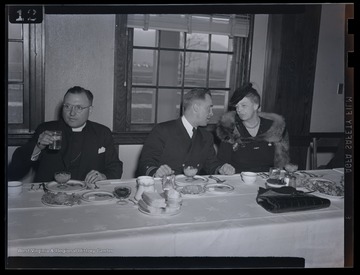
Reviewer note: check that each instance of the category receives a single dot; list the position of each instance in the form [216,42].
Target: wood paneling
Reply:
[290,72]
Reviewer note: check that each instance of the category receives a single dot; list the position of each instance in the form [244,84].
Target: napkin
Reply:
[288,199]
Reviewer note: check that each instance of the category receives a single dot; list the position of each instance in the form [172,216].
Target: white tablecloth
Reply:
[231,224]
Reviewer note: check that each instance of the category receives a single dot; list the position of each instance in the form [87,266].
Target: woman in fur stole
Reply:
[252,140]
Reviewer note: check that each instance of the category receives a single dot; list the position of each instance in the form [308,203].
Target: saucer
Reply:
[275,183]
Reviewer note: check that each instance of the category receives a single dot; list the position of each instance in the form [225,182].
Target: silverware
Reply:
[263,175]
[43,186]
[216,179]
[309,174]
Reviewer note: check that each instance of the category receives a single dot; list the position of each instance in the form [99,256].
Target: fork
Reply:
[216,179]
[311,175]
[263,175]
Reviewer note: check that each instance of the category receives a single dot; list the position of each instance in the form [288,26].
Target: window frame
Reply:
[33,81]
[122,130]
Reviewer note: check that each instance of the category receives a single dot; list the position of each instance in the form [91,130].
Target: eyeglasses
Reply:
[77,108]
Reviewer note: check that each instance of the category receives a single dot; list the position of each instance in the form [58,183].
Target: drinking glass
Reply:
[190,171]
[274,173]
[62,178]
[56,145]
[122,193]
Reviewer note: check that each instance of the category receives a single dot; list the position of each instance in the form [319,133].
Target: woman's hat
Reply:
[246,91]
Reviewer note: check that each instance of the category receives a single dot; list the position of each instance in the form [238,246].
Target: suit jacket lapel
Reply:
[181,131]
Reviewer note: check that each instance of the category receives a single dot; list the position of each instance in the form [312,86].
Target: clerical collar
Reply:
[79,129]
[187,125]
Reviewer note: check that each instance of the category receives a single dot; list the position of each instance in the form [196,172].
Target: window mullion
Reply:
[157,77]
[208,63]
[26,78]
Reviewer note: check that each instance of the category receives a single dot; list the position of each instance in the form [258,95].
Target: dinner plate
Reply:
[324,187]
[97,196]
[163,214]
[182,180]
[54,205]
[192,190]
[219,188]
[70,187]
[49,199]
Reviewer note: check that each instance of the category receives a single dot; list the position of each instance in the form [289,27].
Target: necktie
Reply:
[194,132]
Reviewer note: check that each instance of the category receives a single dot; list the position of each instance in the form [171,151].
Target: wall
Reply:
[327,113]
[79,50]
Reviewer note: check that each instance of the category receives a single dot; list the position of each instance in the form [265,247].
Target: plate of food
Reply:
[69,187]
[182,180]
[219,188]
[97,196]
[60,199]
[325,187]
[192,190]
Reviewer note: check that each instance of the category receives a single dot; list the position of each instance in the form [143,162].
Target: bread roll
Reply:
[153,199]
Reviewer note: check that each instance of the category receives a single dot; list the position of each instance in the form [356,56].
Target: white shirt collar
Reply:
[79,129]
[187,125]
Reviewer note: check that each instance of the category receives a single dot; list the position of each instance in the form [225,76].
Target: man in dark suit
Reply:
[87,148]
[184,141]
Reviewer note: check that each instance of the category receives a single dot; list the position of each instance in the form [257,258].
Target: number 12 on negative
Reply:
[25,14]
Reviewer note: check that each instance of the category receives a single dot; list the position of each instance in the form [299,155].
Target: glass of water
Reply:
[56,145]
[274,173]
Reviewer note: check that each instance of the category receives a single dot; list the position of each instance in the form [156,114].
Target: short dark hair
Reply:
[80,90]
[245,91]
[193,94]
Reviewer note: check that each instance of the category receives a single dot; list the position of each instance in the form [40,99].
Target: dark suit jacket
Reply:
[169,143]
[97,153]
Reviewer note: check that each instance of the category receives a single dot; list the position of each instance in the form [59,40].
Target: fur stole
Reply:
[277,134]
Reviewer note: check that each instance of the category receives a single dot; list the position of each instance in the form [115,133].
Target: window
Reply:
[18,82]
[25,73]
[167,55]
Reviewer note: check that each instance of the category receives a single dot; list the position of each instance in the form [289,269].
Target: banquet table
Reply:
[208,225]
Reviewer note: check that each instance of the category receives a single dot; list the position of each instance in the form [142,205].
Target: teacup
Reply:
[248,177]
[14,188]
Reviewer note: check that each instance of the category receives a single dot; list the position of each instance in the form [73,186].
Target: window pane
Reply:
[219,99]
[15,103]
[195,69]
[177,42]
[220,66]
[168,104]
[14,31]
[143,105]
[221,43]
[169,66]
[197,41]
[15,61]
[144,71]
[144,38]
[171,39]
